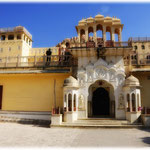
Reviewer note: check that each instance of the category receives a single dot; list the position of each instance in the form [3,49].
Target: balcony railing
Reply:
[117,44]
[139,39]
[109,44]
[138,59]
[38,61]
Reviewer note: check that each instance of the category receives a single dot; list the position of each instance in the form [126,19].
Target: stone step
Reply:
[100,123]
[98,126]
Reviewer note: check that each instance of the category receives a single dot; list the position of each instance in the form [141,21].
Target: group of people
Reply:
[64,56]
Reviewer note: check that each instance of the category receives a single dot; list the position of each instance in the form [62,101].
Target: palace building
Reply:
[93,75]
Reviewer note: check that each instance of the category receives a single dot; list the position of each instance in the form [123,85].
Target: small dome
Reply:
[82,21]
[108,18]
[99,16]
[71,82]
[132,81]
[90,20]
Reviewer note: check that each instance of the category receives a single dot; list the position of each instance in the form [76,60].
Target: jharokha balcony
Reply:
[54,61]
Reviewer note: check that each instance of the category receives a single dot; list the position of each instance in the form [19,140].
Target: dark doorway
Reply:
[100,102]
[1,92]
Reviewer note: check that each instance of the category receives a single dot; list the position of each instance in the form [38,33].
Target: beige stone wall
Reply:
[15,47]
[139,47]
[42,50]
[11,48]
[144,79]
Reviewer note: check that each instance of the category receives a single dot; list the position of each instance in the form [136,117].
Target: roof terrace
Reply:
[16,29]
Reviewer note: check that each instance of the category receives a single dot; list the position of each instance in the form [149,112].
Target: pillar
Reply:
[6,37]
[126,101]
[86,34]
[15,36]
[94,35]
[104,33]
[136,103]
[120,35]
[130,103]
[139,99]
[113,34]
[22,36]
[76,103]
[72,109]
[66,102]
[79,39]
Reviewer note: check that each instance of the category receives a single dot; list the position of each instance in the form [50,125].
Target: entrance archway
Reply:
[101,99]
[101,102]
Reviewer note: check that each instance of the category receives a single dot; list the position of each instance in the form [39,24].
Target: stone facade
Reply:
[96,76]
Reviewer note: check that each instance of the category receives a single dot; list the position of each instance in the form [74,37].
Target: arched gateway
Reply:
[101,100]
[98,80]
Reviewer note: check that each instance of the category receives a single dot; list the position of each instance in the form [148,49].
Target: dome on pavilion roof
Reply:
[82,22]
[132,81]
[71,82]
[99,16]
[90,20]
[108,18]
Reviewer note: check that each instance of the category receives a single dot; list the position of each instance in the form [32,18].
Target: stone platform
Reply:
[100,123]
[35,118]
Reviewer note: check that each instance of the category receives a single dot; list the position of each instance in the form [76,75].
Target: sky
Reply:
[50,23]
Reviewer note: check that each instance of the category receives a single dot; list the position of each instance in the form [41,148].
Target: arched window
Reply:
[133,102]
[135,47]
[82,35]
[18,37]
[99,31]
[65,102]
[70,102]
[128,102]
[10,37]
[148,57]
[90,33]
[108,33]
[116,35]
[3,37]
[132,57]
[67,45]
[143,47]
[74,102]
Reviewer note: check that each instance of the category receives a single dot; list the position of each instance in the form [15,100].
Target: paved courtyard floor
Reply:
[12,135]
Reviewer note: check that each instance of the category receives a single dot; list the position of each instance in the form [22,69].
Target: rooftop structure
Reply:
[17,29]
